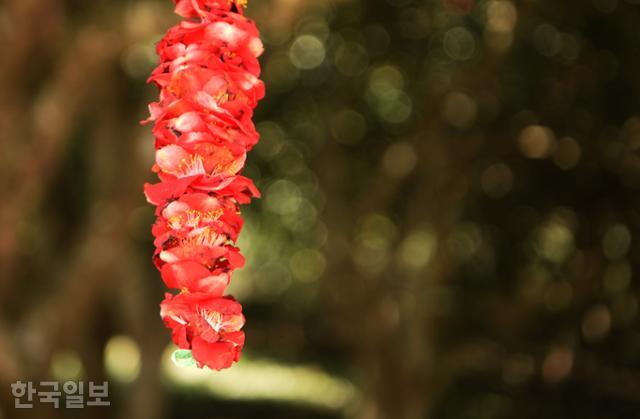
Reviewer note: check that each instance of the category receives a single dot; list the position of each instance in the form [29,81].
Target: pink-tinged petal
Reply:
[226,32]
[185,9]
[256,47]
[207,101]
[169,257]
[201,201]
[213,284]
[155,112]
[215,83]
[171,158]
[216,356]
[175,208]
[189,121]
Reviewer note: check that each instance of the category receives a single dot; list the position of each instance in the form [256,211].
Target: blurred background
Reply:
[449,226]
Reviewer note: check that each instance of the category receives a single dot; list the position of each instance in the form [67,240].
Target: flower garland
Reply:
[209,86]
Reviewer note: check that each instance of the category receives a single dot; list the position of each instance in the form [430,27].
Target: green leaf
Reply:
[183,358]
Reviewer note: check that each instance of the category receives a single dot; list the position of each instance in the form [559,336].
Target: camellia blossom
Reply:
[208,80]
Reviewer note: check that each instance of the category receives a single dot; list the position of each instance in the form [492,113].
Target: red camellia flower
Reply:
[208,80]
[207,324]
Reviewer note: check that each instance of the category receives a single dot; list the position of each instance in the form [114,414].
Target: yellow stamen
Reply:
[193,217]
[212,215]
[204,237]
[175,222]
[222,97]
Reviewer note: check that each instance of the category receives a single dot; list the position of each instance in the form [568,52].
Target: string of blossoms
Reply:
[208,80]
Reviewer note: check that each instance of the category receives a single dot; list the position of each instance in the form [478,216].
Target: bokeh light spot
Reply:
[307,52]
[417,249]
[547,39]
[497,180]
[535,141]
[66,365]
[617,277]
[372,244]
[275,279]
[272,138]
[385,78]
[399,159]
[596,323]
[557,365]
[459,110]
[348,126]
[122,359]
[307,265]
[283,197]
[386,95]
[566,153]
[459,43]
[616,242]
[501,16]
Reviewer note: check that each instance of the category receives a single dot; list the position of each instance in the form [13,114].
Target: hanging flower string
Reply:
[209,86]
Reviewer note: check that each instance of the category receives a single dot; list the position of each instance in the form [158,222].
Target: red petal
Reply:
[235,258]
[214,355]
[178,275]
[194,277]
[237,338]
[162,192]
[179,336]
